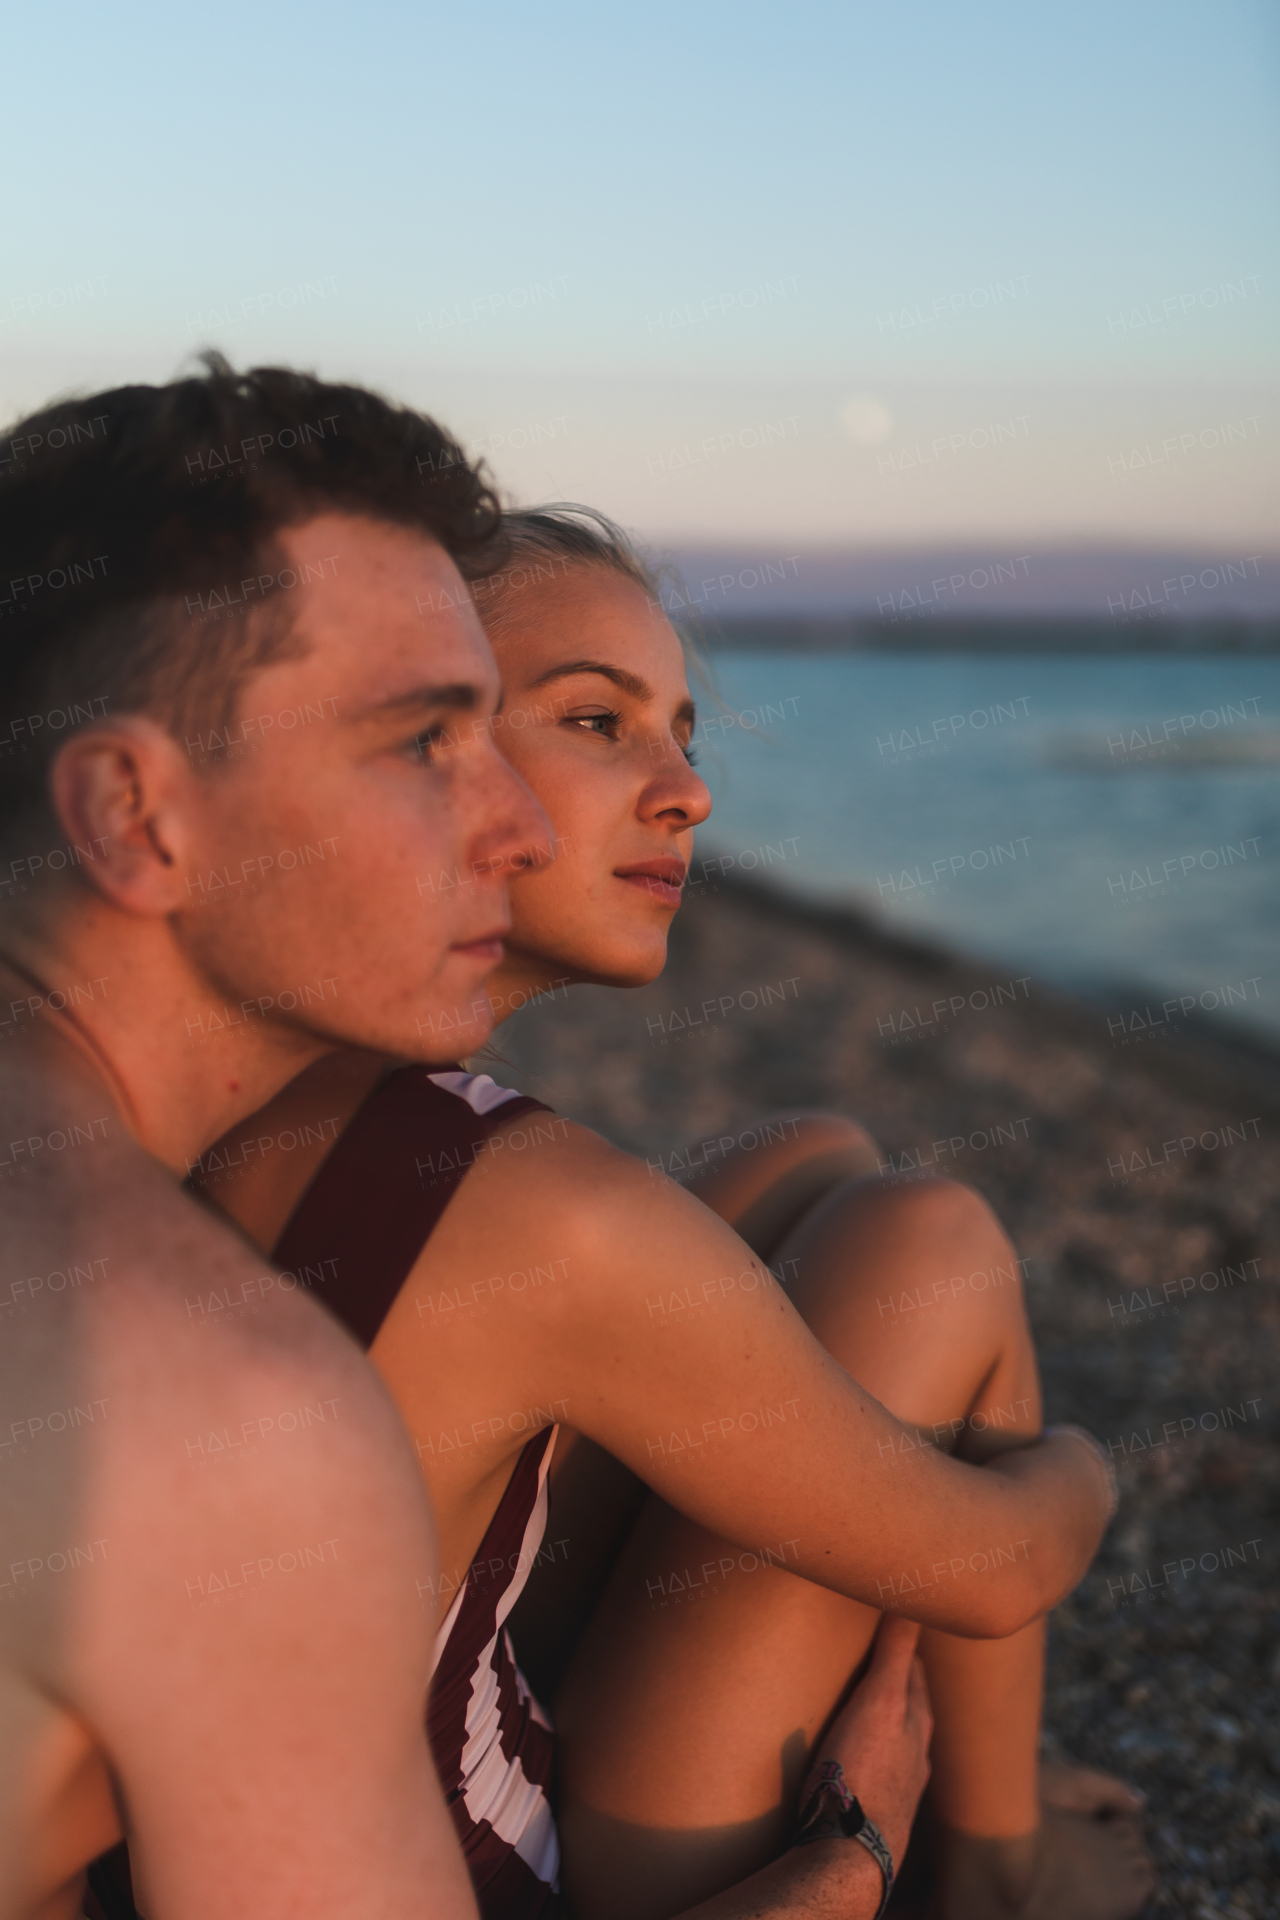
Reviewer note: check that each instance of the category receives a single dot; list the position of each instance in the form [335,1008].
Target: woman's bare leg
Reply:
[708,1673]
[763,1193]
[775,1172]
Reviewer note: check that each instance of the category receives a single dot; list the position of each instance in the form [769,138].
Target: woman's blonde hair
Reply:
[543,543]
[567,531]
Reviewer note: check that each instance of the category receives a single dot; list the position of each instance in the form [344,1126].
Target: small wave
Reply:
[1090,753]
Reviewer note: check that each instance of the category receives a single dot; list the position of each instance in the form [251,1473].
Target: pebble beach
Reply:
[1140,1181]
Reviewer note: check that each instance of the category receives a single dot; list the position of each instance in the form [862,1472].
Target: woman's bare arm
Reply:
[677,1351]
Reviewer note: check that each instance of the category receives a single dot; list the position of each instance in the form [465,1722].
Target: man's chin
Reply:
[448,1029]
[446,1049]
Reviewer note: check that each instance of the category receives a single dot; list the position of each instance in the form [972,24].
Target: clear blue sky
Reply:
[595,239]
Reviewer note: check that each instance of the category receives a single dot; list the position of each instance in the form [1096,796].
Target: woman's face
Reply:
[597,719]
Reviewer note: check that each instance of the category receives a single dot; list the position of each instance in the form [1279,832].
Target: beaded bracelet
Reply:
[827,1783]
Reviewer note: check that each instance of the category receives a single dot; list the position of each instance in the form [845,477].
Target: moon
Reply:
[866,420]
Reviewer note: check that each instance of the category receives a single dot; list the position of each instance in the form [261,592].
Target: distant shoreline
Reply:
[928,632]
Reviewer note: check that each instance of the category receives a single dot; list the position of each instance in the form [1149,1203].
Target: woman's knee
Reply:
[945,1214]
[916,1289]
[813,1134]
[765,1177]
[908,1246]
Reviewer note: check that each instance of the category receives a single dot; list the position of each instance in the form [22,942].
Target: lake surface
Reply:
[1110,825]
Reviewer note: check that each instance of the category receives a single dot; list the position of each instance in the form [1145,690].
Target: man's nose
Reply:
[517,833]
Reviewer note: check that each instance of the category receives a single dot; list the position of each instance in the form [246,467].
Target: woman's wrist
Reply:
[829,1811]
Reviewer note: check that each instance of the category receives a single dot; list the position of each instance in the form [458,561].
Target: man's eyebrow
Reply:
[629,682]
[458,697]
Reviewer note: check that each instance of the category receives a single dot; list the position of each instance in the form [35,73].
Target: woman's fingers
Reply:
[919,1706]
[895,1647]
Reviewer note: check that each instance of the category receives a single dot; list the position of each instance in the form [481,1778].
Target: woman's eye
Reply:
[691,755]
[601,724]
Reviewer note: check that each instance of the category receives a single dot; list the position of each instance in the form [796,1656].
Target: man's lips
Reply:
[486,946]
[661,879]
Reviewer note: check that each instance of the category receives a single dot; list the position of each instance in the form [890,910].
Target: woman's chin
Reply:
[626,964]
[628,967]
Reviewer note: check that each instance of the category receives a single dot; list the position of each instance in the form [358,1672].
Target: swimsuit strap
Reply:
[379,1193]
[109,1893]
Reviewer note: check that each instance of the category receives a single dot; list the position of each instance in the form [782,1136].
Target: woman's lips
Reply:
[660,879]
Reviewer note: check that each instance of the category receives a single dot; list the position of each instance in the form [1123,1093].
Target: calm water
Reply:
[1110,825]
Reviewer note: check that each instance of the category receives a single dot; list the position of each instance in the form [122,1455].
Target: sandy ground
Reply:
[1139,1178]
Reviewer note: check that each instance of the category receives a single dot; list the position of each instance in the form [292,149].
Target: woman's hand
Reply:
[881,1738]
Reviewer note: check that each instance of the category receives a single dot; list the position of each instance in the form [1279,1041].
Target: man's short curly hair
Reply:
[121,514]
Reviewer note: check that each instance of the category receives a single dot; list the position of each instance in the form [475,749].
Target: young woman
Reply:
[502,1265]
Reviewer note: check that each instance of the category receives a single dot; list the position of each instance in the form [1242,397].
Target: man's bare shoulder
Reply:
[122,1260]
[207,1497]
[156,1367]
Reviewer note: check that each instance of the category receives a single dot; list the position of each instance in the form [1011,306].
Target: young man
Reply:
[222,715]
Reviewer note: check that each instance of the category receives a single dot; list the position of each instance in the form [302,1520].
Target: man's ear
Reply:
[126,799]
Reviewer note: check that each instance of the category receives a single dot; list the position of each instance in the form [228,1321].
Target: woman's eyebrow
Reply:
[629,682]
